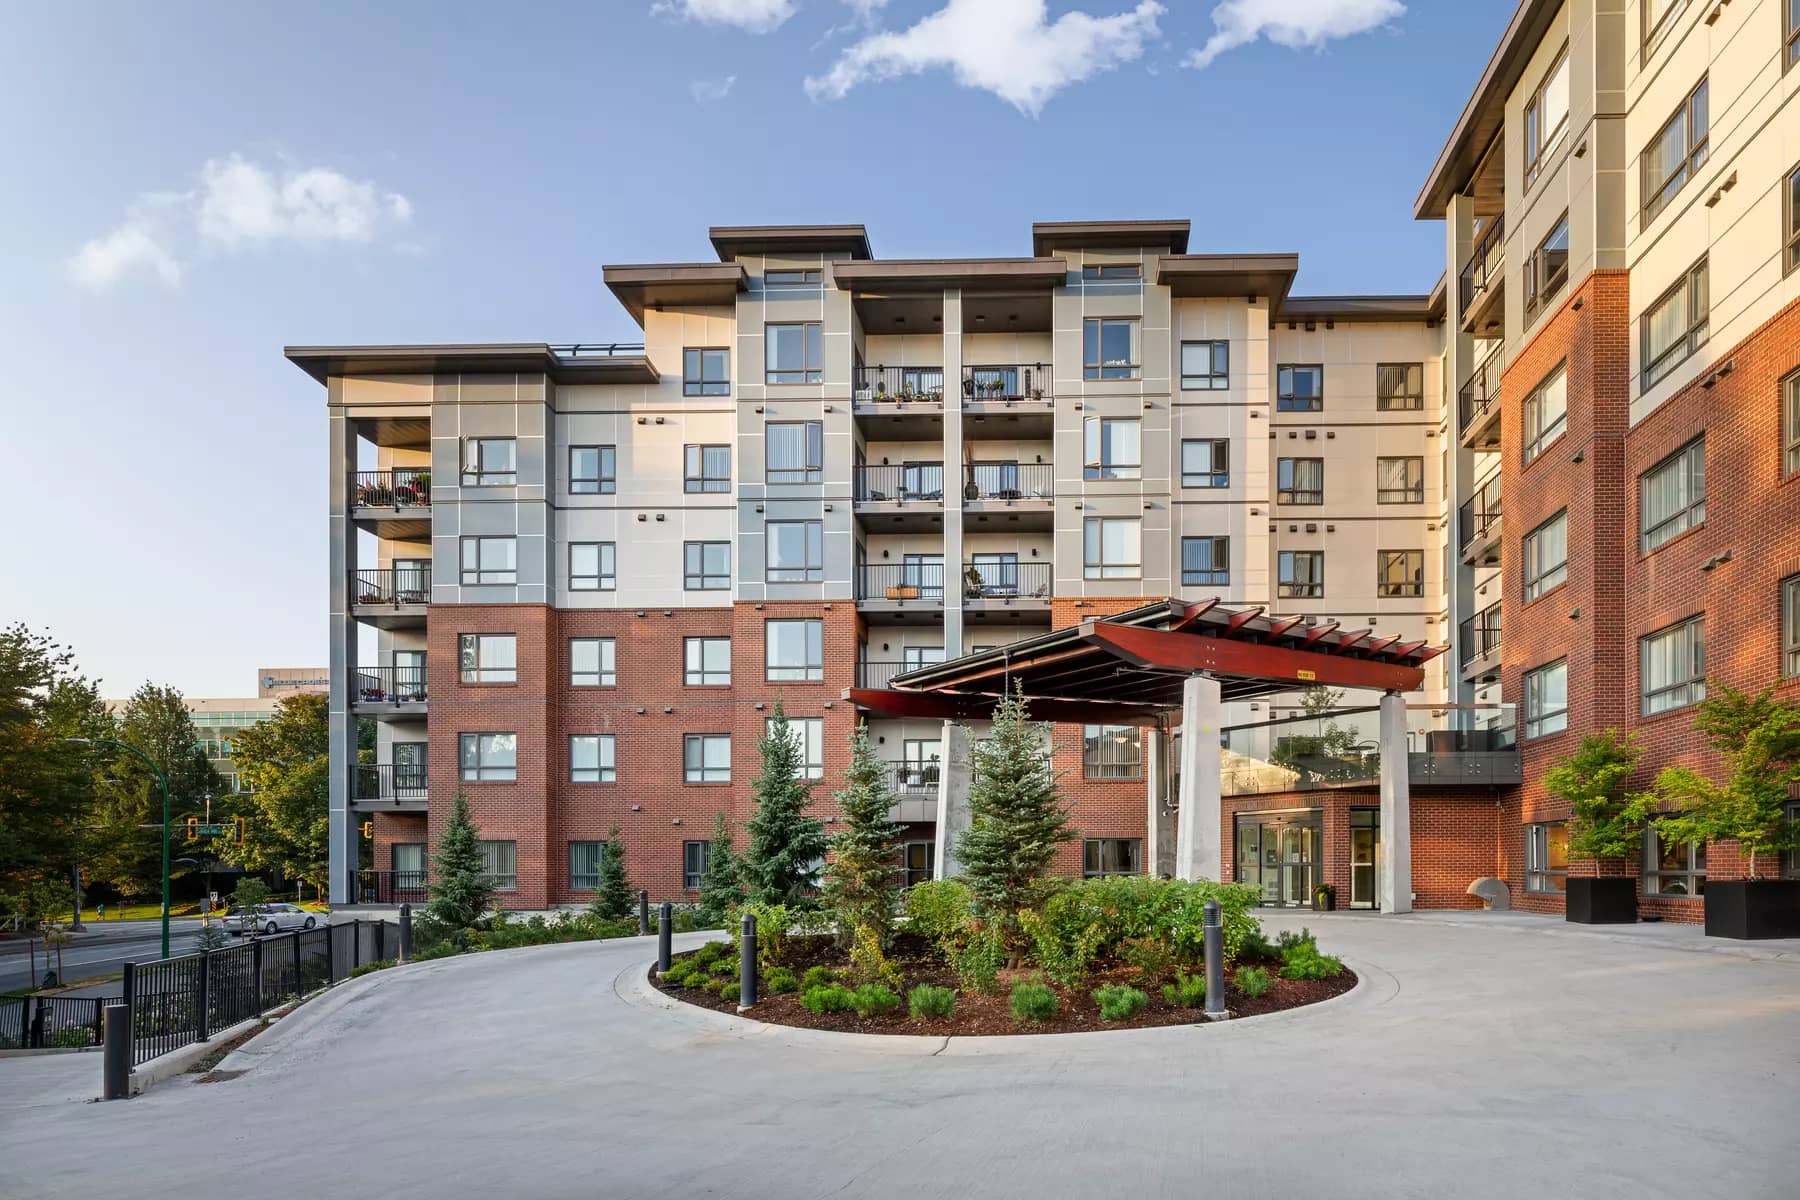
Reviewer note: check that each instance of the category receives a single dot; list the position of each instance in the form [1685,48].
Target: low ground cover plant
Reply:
[1119,1002]
[1033,1002]
[929,1003]
[1188,991]
[1300,958]
[1252,981]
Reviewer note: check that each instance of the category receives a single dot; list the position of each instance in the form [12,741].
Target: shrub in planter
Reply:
[978,963]
[782,980]
[928,1003]
[729,989]
[1153,961]
[722,967]
[380,964]
[831,998]
[873,1000]
[1605,822]
[708,954]
[817,977]
[1325,898]
[938,910]
[1302,960]
[1188,991]
[1033,1002]
[1119,1003]
[677,975]
[1252,981]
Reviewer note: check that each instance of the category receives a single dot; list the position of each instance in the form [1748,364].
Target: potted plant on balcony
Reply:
[1758,739]
[1324,898]
[995,387]
[1606,824]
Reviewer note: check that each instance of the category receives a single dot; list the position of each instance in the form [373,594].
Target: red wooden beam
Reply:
[1277,628]
[1319,631]
[951,706]
[1348,640]
[1241,619]
[1254,661]
[1408,648]
[1195,612]
[1431,652]
[1383,644]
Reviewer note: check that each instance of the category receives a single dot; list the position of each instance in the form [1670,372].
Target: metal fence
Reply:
[35,1022]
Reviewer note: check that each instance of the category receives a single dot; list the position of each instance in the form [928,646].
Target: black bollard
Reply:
[115,1064]
[1214,933]
[747,964]
[665,936]
[405,933]
[643,913]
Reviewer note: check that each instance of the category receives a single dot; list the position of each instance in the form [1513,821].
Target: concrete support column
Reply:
[1394,894]
[953,475]
[954,774]
[342,848]
[1159,818]
[1198,852]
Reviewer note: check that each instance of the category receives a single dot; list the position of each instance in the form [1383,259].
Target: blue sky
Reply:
[196,185]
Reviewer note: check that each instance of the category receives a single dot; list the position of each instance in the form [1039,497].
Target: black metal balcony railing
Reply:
[906,482]
[392,585]
[1006,579]
[901,581]
[390,685]
[1479,514]
[899,385]
[913,778]
[1486,264]
[402,487]
[1009,481]
[875,675]
[390,781]
[1008,383]
[1481,635]
[1480,394]
[390,887]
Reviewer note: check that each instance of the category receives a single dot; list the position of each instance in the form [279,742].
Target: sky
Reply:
[193,186]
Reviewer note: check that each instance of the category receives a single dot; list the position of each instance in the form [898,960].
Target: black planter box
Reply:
[1753,908]
[1601,901]
[1324,901]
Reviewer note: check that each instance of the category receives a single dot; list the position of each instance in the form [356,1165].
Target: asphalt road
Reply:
[105,948]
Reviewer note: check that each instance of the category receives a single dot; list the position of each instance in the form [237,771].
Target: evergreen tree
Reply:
[460,889]
[722,889]
[612,899]
[861,883]
[1017,817]
[785,843]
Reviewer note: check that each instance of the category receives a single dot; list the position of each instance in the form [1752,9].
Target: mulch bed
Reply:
[981,1015]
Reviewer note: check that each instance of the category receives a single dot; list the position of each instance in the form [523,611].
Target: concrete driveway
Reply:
[1499,1058]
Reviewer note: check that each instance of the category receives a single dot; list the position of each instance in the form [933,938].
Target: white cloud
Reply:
[1007,47]
[1298,24]
[133,246]
[752,16]
[711,91]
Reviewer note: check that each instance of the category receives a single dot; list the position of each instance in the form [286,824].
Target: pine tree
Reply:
[612,899]
[785,843]
[1017,817]
[460,889]
[861,884]
[722,888]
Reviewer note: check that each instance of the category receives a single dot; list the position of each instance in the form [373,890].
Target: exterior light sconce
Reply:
[643,420]
[668,612]
[1034,553]
[641,517]
[759,706]
[676,821]
[828,408]
[759,408]
[1312,327]
[1580,303]
[1255,413]
[1578,456]
[1581,148]
[637,808]
[667,710]
[1710,381]
[828,704]
[759,607]
[759,508]
[827,509]
[1078,506]
[640,712]
[1715,561]
[640,613]
[884,646]
[1328,528]
[1038,458]
[828,608]
[1574,614]
[662,516]
[659,420]
[1078,407]
[1727,367]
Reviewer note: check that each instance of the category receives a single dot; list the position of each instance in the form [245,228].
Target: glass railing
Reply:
[1474,745]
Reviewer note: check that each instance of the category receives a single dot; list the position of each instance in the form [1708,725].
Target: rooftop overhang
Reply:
[682,285]
[1353,309]
[732,241]
[578,365]
[1010,275]
[1240,275]
[1047,236]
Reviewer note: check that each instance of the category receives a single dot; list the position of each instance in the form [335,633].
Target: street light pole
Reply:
[163,781]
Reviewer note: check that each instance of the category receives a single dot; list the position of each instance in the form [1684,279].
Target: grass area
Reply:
[138,912]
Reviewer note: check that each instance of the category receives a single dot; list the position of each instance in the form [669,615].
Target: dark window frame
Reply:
[480,672]
[1536,155]
[1408,398]
[1790,627]
[695,477]
[474,467]
[1288,586]
[603,771]
[811,339]
[1285,398]
[1095,466]
[812,470]
[1412,567]
[586,881]
[603,678]
[1694,335]
[1686,691]
[604,481]
[1536,724]
[1531,411]
[1690,516]
[1790,211]
[702,383]
[1658,193]
[1214,380]
[1412,493]
[1789,434]
[1219,476]
[1290,493]
[481,773]
[481,575]
[809,671]
[1545,274]
[693,873]
[1127,857]
[1542,875]
[1546,578]
[1098,370]
[702,580]
[809,571]
[780,276]
[690,677]
[604,581]
[1102,568]
[1111,272]
[1650,36]
[1120,769]
[1215,575]
[690,774]
[1690,877]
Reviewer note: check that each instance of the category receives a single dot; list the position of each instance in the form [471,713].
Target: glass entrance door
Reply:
[1365,856]
[1279,855]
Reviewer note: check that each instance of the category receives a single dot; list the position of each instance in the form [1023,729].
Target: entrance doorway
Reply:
[1278,853]
[1365,857]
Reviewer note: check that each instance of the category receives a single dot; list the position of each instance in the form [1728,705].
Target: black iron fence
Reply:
[906,482]
[901,581]
[1480,635]
[391,887]
[913,778]
[1006,579]
[1486,263]
[1008,383]
[390,781]
[876,674]
[1480,394]
[48,1022]
[402,487]
[1478,514]
[390,685]
[392,585]
[900,385]
[1009,481]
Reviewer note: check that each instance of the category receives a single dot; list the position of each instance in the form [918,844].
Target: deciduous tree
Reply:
[286,763]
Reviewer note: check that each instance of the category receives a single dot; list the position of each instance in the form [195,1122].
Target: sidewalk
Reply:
[29,1081]
[1662,935]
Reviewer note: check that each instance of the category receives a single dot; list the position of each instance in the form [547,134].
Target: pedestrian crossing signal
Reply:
[368,830]
[238,823]
[193,829]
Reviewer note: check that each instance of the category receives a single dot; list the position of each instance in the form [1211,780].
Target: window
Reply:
[705,372]
[917,861]
[808,736]
[1094,271]
[1399,573]
[796,551]
[1111,752]
[1400,387]
[1673,868]
[1400,480]
[1101,857]
[1547,857]
[1547,556]
[1299,389]
[796,451]
[696,859]
[786,277]
[1547,116]
[490,560]
[1790,230]
[1672,495]
[1205,561]
[1300,574]
[500,865]
[1113,448]
[1300,480]
[707,469]
[489,657]
[591,758]
[1547,269]
[1109,348]
[1676,325]
[1546,412]
[1790,627]
[592,662]
[1658,17]
[1205,462]
[1112,548]
[1672,667]
[1547,699]
[490,462]
[794,650]
[1790,403]
[593,470]
[708,661]
[1793,39]
[1205,366]
[592,567]
[1675,154]
[707,566]
[409,865]
[488,757]
[795,353]
[584,865]
[706,758]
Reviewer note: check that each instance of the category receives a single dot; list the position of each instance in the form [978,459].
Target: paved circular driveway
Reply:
[1480,1059]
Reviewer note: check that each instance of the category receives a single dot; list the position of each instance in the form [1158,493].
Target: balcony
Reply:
[1342,750]
[899,403]
[1478,526]
[1480,642]
[391,597]
[1008,400]
[396,503]
[1001,590]
[915,786]
[908,498]
[389,786]
[391,887]
[388,692]
[1478,403]
[1009,497]
[901,593]
[1483,279]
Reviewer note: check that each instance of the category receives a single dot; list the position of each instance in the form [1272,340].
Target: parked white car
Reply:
[270,918]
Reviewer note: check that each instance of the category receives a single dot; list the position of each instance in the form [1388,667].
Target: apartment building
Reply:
[219,720]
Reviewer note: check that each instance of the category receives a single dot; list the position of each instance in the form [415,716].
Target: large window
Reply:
[1300,574]
[1676,325]
[1790,227]
[1673,868]
[1659,16]
[1672,495]
[705,372]
[707,661]
[1300,388]
[487,757]
[1399,573]
[1400,387]
[1400,480]
[1672,667]
[706,566]
[1109,348]
[593,567]
[696,859]
[1790,420]
[790,276]
[409,866]
[1547,116]
[706,469]
[796,551]
[490,462]
[500,865]
[593,470]
[1547,269]
[584,865]
[1101,857]
[1676,154]
[488,560]
[1547,556]
[1546,412]
[1112,548]
[1547,857]
[1096,272]
[795,353]
[1793,35]
[1205,366]
[808,736]
[1300,480]
[794,650]
[593,662]
[1205,462]
[488,657]
[1790,627]
[1547,699]
[706,758]
[591,758]
[1205,561]
[796,451]
[1111,752]
[1113,448]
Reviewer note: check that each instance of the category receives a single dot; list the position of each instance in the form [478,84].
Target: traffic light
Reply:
[368,831]
[239,822]
[193,829]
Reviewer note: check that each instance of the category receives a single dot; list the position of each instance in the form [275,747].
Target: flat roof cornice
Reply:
[644,285]
[971,274]
[1360,308]
[732,240]
[1109,235]
[1268,275]
[322,362]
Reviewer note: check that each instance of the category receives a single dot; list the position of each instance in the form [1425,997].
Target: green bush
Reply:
[729,989]
[72,1037]
[710,953]
[1252,981]
[782,980]
[1153,961]
[1289,940]
[774,929]
[1093,919]
[831,998]
[1119,1003]
[1258,945]
[978,963]
[380,964]
[1066,936]
[1303,961]
[817,977]
[722,967]
[1033,1002]
[1188,991]
[873,1000]
[928,1003]
[938,910]
[444,949]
